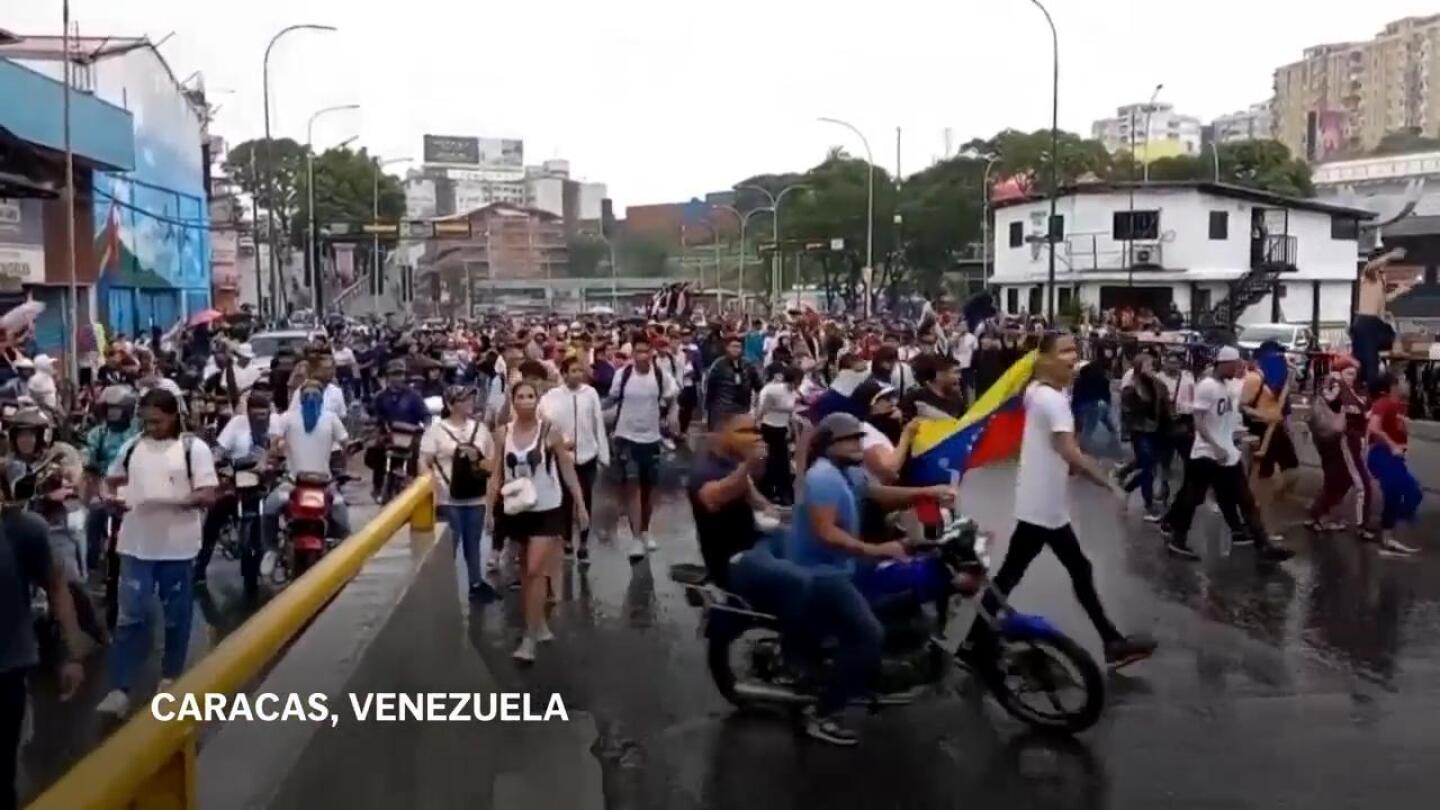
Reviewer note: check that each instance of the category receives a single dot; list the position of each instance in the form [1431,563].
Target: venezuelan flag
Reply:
[989,431]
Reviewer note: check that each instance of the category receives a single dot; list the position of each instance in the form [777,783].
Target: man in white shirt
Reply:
[322,368]
[306,434]
[962,348]
[574,410]
[643,397]
[1048,454]
[168,478]
[1215,462]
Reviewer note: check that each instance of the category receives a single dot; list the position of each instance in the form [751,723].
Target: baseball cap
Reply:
[1227,354]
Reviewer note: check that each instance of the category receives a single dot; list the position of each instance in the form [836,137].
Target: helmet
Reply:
[117,395]
[29,418]
[395,366]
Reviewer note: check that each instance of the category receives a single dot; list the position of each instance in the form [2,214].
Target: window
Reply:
[1137,225]
[1219,224]
[1017,235]
[1342,227]
[1012,301]
[1057,228]
[1063,299]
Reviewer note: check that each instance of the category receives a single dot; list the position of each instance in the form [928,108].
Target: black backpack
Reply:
[187,440]
[468,477]
[619,389]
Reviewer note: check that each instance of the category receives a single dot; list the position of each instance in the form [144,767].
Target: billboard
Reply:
[22,242]
[475,151]
[452,149]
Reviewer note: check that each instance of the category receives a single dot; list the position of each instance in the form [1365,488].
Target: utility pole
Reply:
[73,355]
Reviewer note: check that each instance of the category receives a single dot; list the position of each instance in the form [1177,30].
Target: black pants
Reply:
[12,719]
[1026,544]
[1232,495]
[586,474]
[219,512]
[777,484]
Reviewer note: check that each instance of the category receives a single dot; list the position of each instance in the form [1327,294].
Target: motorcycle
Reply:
[304,535]
[240,539]
[1035,672]
[402,446]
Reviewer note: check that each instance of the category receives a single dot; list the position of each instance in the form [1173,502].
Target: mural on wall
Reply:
[152,224]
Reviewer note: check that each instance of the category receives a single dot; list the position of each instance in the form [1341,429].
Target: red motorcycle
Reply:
[307,522]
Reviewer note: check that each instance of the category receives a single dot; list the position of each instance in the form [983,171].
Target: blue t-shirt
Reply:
[755,347]
[826,485]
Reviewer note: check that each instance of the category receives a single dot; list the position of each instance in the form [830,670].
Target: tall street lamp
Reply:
[313,246]
[869,208]
[774,208]
[985,215]
[1149,111]
[269,157]
[375,218]
[744,220]
[1054,153]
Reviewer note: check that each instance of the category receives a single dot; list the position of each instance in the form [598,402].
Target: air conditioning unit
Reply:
[1145,255]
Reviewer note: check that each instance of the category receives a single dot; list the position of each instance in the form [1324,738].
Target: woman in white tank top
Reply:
[533,452]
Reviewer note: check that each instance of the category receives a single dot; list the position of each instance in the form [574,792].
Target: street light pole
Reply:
[774,208]
[73,355]
[1054,154]
[985,221]
[375,279]
[269,157]
[869,207]
[312,246]
[1149,111]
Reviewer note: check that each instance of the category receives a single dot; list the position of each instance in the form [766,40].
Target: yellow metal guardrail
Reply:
[150,765]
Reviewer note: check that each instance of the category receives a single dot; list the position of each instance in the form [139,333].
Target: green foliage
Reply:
[641,256]
[587,252]
[345,192]
[1405,142]
[1028,154]
[273,175]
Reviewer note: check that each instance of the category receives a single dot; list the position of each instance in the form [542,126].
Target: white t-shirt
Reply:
[344,356]
[1042,495]
[236,439]
[333,401]
[870,436]
[156,527]
[309,452]
[964,349]
[1216,411]
[776,406]
[441,440]
[639,420]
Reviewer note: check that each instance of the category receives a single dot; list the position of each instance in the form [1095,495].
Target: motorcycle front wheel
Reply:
[250,554]
[1050,683]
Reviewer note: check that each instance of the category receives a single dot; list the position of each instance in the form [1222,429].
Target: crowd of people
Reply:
[517,417]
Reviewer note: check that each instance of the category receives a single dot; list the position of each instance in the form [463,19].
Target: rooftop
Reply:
[1203,187]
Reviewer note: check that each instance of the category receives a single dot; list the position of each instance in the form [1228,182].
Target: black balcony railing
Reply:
[1274,250]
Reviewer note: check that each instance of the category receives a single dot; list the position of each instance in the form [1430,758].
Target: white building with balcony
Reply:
[1221,254]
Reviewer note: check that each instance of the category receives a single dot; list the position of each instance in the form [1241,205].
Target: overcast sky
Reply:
[665,100]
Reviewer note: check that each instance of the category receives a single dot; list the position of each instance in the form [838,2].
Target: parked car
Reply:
[1293,336]
[268,344]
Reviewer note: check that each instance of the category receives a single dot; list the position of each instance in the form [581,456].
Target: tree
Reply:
[345,192]
[272,175]
[586,252]
[1028,154]
[1405,142]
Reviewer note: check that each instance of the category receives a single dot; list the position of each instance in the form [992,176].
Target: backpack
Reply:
[468,477]
[186,439]
[618,388]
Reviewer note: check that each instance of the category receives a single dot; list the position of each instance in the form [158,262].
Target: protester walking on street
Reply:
[574,409]
[644,400]
[1048,455]
[775,411]
[1215,463]
[1389,434]
[1338,423]
[457,451]
[170,479]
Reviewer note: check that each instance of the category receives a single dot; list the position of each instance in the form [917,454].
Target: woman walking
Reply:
[1389,439]
[525,485]
[458,450]
[775,410]
[1338,423]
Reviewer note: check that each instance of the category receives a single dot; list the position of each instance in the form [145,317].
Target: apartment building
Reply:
[1153,130]
[1251,124]
[1343,98]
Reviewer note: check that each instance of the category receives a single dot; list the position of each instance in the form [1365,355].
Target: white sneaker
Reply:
[116,704]
[650,544]
[526,651]
[637,550]
[543,635]
[267,564]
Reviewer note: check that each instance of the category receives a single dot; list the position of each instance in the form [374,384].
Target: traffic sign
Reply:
[452,229]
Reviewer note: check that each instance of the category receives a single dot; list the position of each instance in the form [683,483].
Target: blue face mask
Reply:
[310,405]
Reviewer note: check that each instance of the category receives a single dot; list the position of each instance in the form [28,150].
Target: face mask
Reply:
[310,404]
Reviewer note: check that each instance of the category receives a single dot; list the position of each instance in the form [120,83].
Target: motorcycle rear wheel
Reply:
[1042,655]
[719,656]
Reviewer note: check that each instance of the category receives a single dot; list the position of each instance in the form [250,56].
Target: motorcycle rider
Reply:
[305,436]
[245,437]
[397,404]
[102,446]
[825,539]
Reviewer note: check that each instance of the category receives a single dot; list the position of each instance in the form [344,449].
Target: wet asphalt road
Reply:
[1315,685]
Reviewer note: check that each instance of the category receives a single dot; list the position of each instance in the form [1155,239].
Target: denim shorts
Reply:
[637,460]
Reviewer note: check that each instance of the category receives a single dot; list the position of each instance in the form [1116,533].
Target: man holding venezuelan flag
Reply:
[1029,409]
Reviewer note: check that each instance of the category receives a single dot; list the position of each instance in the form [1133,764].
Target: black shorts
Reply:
[520,528]
[637,460]
[1281,452]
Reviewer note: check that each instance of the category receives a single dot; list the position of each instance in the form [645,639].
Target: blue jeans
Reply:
[1146,452]
[172,579]
[814,605]
[1091,415]
[1400,490]
[466,525]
